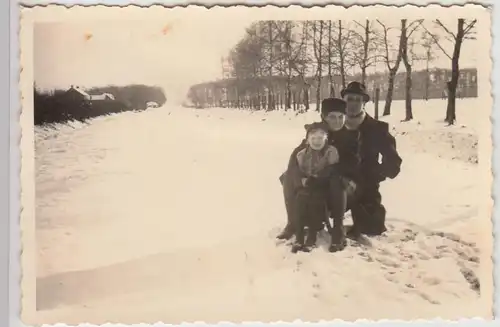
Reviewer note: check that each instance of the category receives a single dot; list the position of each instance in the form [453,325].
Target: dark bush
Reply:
[61,106]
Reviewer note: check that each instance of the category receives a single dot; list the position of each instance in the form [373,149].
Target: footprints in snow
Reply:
[411,257]
[404,249]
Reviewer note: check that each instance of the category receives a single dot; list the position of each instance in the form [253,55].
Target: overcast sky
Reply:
[172,50]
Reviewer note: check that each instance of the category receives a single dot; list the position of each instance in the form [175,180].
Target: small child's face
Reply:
[317,139]
[335,120]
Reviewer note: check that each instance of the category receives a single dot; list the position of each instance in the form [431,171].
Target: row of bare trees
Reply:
[294,50]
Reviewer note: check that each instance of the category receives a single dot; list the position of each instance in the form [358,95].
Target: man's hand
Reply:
[391,161]
[349,185]
[304,182]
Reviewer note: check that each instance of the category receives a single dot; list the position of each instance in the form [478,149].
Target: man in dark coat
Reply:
[346,142]
[367,210]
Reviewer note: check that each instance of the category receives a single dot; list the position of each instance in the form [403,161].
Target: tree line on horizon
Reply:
[282,61]
[57,106]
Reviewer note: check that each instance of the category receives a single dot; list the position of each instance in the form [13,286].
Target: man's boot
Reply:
[368,220]
[359,219]
[290,203]
[338,241]
[312,237]
[376,225]
[287,233]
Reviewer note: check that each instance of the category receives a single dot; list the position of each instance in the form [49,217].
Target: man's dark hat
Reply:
[316,126]
[332,105]
[356,88]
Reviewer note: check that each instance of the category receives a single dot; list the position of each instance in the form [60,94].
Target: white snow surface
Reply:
[171,215]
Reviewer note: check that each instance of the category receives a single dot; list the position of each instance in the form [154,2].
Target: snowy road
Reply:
[170,215]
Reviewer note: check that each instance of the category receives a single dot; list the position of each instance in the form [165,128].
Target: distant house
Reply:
[102,97]
[76,94]
[152,104]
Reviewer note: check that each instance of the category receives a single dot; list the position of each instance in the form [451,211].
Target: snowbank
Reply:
[170,215]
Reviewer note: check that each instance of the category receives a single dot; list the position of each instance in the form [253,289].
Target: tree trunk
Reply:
[427,75]
[306,98]
[288,94]
[318,52]
[340,46]
[408,95]
[342,56]
[330,58]
[455,72]
[390,91]
[366,43]
[406,61]
[377,97]
[270,100]
[392,74]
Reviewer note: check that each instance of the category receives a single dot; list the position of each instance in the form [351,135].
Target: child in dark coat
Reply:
[315,164]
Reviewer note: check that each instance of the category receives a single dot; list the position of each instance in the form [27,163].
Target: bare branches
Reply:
[466,32]
[387,48]
[437,42]
[469,32]
[413,26]
[366,46]
[468,28]
[448,32]
[299,52]
[385,40]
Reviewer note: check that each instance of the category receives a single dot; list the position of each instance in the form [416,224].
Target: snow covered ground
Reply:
[170,215]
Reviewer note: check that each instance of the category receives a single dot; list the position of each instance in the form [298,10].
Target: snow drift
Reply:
[171,215]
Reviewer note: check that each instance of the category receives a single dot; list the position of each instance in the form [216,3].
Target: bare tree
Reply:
[318,30]
[294,59]
[246,61]
[286,60]
[367,46]
[406,33]
[266,38]
[427,43]
[270,45]
[392,64]
[341,43]
[330,59]
[465,31]
[302,67]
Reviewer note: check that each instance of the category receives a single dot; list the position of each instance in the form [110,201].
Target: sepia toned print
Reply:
[255,164]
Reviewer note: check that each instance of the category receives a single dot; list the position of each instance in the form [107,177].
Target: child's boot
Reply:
[338,241]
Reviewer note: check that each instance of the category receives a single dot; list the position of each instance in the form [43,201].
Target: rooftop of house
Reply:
[103,96]
[95,97]
[79,90]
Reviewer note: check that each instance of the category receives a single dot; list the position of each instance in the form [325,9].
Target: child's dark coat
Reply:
[312,202]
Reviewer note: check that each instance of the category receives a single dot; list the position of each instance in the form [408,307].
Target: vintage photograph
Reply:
[255,164]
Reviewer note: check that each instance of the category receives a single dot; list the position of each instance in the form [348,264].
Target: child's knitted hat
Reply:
[316,126]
